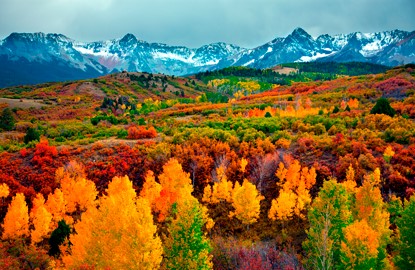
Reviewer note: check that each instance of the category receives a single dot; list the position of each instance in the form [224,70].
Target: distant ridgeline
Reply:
[311,71]
[348,68]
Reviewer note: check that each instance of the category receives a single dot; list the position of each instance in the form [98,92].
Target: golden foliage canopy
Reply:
[246,201]
[120,234]
[16,221]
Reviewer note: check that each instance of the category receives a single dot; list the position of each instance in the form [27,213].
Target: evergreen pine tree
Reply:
[383,106]
[58,237]
[31,135]
[7,120]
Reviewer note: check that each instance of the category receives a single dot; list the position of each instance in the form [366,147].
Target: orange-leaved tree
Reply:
[372,218]
[360,247]
[176,186]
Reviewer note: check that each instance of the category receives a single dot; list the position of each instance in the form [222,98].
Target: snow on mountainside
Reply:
[130,54]
[39,57]
[299,46]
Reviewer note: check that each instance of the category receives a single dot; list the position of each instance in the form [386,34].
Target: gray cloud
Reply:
[197,22]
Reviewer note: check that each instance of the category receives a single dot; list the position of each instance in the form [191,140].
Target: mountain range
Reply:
[28,58]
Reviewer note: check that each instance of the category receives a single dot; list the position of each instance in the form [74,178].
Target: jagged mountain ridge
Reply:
[388,48]
[37,57]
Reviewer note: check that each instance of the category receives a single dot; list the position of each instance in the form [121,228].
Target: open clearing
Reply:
[23,103]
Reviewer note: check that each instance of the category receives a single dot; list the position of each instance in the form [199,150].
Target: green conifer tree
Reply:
[7,120]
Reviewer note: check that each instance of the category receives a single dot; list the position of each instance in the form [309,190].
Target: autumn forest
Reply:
[302,166]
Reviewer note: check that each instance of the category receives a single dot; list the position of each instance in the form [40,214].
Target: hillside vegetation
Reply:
[232,169]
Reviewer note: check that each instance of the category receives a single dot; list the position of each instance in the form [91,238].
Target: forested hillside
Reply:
[232,169]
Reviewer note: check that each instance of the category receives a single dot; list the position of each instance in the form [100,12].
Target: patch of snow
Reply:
[249,62]
[173,56]
[208,63]
[269,49]
[368,35]
[83,50]
[340,41]
[313,57]
[90,51]
[374,46]
[377,45]
[371,48]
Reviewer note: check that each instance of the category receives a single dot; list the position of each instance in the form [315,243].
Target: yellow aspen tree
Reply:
[360,247]
[56,205]
[119,234]
[79,193]
[281,173]
[209,223]
[373,178]
[350,174]
[207,194]
[388,154]
[295,183]
[173,176]
[369,204]
[246,201]
[16,221]
[308,177]
[40,218]
[4,190]
[282,208]
[151,189]
[350,183]
[222,190]
[303,200]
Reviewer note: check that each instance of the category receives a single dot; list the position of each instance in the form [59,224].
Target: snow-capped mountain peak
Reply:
[89,59]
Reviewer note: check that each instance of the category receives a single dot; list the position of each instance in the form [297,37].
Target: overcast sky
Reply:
[197,22]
